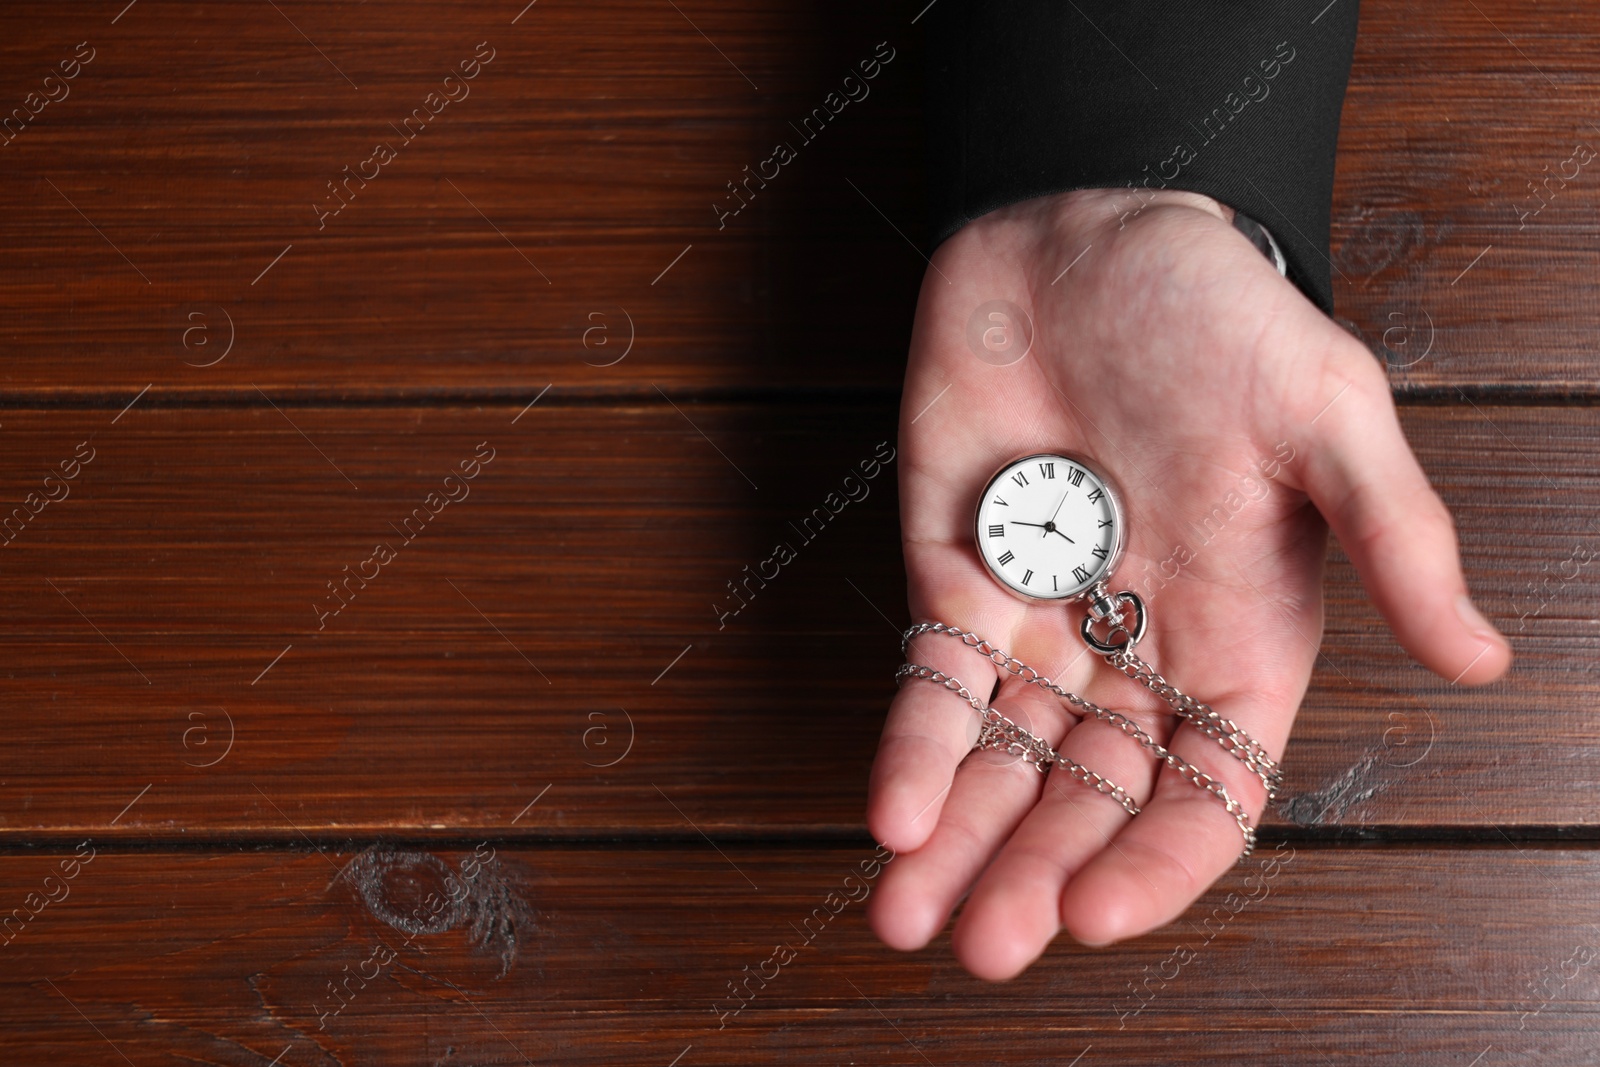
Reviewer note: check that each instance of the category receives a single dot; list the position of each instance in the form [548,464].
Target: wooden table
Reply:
[515,790]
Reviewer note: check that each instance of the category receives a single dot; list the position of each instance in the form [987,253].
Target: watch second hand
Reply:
[1050,526]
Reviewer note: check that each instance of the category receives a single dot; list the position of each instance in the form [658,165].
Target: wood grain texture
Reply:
[573,612]
[533,219]
[525,224]
[1444,260]
[550,668]
[570,956]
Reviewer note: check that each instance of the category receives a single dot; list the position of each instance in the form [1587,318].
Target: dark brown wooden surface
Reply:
[542,670]
[596,142]
[560,617]
[582,956]
[1453,110]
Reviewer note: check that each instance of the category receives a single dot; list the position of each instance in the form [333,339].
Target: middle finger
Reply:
[1015,910]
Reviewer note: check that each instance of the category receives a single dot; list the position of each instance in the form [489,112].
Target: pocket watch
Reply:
[1050,527]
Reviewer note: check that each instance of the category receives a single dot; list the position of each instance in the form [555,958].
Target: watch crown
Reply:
[1103,606]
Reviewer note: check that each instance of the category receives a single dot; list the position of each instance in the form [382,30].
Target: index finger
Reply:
[930,729]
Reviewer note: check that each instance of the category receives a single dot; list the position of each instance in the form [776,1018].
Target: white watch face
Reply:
[1049,527]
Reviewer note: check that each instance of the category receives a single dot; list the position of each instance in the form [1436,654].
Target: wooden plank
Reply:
[179,199]
[577,599]
[535,217]
[1395,956]
[1445,261]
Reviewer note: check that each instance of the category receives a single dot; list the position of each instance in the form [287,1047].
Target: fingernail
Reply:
[1474,620]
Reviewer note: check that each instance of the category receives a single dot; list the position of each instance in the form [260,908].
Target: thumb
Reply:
[1360,472]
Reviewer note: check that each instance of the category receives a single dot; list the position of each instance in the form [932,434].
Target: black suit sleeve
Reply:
[1237,99]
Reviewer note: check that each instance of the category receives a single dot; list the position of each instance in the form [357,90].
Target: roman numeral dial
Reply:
[1049,516]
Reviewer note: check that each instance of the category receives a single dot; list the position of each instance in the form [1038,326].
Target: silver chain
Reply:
[1189,772]
[1201,716]
[1113,610]
[999,731]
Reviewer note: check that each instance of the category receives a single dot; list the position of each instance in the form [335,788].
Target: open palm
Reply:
[1234,416]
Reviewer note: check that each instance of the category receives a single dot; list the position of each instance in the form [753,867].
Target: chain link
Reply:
[1106,605]
[1202,717]
[1000,731]
[1028,675]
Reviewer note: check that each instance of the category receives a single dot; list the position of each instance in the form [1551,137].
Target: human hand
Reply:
[1177,359]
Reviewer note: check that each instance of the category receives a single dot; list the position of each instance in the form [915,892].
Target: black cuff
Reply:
[1237,100]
